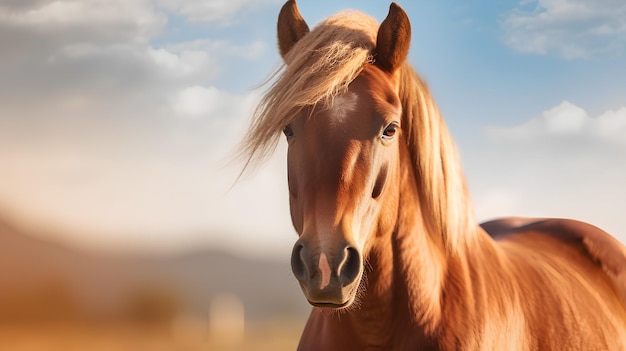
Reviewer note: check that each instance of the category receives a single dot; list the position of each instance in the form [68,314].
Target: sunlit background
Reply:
[121,224]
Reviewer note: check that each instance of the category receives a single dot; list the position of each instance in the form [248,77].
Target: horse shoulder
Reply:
[600,247]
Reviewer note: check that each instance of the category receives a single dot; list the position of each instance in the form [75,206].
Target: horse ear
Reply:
[394,39]
[291,27]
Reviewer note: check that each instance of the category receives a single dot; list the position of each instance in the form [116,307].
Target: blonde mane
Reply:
[444,197]
[320,66]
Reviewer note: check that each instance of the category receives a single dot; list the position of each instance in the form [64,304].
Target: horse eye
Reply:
[288,132]
[390,131]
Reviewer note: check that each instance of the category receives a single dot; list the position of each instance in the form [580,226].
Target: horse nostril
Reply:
[351,266]
[297,262]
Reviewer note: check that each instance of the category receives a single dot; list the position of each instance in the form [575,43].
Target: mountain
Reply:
[42,280]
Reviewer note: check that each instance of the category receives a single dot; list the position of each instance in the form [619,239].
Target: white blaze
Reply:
[342,106]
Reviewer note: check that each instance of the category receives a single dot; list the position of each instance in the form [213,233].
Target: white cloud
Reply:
[211,10]
[103,50]
[199,101]
[133,19]
[223,48]
[569,121]
[184,63]
[568,28]
[163,200]
[563,163]
[85,12]
[104,133]
[160,184]
[49,31]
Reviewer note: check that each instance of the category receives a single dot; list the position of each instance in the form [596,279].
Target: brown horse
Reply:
[389,253]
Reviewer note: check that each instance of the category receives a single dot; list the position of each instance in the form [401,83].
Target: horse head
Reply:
[343,160]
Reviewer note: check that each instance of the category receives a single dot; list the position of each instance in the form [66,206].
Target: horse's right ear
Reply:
[291,27]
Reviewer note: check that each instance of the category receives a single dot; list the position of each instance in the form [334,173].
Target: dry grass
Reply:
[272,336]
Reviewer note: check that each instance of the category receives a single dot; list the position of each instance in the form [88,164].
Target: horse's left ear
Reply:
[394,39]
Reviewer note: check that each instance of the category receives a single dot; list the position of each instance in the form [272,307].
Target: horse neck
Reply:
[417,289]
[413,282]
[419,255]
[434,285]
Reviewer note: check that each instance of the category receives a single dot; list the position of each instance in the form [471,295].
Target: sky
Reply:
[119,119]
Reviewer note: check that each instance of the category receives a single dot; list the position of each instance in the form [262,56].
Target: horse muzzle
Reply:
[328,278]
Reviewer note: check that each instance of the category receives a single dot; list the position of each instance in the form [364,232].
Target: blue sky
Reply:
[117,118]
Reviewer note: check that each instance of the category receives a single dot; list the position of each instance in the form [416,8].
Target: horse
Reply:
[389,253]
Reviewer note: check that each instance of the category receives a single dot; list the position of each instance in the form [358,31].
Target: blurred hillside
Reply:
[47,283]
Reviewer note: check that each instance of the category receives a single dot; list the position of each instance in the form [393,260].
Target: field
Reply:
[274,336]
[57,298]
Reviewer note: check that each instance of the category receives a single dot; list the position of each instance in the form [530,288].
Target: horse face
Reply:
[341,168]
[342,163]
